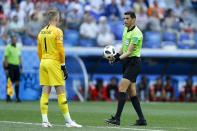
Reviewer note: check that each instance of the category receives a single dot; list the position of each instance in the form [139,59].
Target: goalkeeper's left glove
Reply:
[117,57]
[63,68]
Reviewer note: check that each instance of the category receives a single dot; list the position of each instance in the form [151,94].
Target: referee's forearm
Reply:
[5,63]
[125,55]
[120,51]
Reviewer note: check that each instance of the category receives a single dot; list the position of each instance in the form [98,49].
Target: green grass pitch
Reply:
[26,116]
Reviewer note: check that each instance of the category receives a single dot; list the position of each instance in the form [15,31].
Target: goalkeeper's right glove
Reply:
[63,68]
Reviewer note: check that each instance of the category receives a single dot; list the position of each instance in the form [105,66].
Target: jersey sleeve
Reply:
[39,49]
[6,51]
[60,48]
[134,40]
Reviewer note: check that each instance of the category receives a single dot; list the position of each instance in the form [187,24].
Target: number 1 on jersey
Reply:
[45,44]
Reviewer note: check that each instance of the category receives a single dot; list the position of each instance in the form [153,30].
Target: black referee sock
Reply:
[121,102]
[137,107]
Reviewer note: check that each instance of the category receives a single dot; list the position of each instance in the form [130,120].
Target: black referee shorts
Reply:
[131,68]
[14,72]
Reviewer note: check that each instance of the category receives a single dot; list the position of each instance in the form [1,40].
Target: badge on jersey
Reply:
[126,42]
[134,40]
[61,38]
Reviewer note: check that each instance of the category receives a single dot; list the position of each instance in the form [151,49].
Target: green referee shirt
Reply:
[13,53]
[133,36]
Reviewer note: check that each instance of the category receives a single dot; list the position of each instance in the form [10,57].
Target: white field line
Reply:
[122,128]
[101,127]
[179,128]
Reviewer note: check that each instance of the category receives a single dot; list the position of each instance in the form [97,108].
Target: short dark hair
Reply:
[131,13]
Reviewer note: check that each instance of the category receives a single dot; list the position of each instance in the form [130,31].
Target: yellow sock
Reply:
[62,102]
[44,106]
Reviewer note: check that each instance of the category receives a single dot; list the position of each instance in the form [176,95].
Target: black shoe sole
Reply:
[111,123]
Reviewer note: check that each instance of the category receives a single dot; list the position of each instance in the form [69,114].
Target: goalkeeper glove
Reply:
[117,57]
[63,68]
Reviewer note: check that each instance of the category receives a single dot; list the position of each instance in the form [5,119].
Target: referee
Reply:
[130,54]
[13,64]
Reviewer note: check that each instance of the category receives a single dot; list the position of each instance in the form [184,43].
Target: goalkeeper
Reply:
[52,68]
[130,54]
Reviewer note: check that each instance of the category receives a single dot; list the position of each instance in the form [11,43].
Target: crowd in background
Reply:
[91,19]
[160,91]
[96,23]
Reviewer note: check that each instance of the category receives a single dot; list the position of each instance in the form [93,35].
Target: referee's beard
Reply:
[14,41]
[130,26]
[13,44]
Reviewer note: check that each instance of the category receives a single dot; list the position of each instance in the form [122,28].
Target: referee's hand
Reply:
[111,62]
[114,59]
[110,59]
[63,68]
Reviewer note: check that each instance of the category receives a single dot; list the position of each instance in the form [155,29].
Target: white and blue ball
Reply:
[109,51]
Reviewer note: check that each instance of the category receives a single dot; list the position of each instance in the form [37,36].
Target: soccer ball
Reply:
[109,51]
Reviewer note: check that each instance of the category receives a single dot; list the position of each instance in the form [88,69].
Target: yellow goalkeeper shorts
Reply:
[51,73]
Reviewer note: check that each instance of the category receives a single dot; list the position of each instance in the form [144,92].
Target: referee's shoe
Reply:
[113,121]
[140,123]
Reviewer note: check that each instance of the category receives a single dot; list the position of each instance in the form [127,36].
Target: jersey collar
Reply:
[131,28]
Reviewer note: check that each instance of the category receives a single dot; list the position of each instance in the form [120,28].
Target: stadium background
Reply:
[169,47]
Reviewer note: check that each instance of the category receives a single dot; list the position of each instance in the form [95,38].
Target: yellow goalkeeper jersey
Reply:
[50,44]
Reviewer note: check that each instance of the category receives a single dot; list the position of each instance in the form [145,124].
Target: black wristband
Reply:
[117,57]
